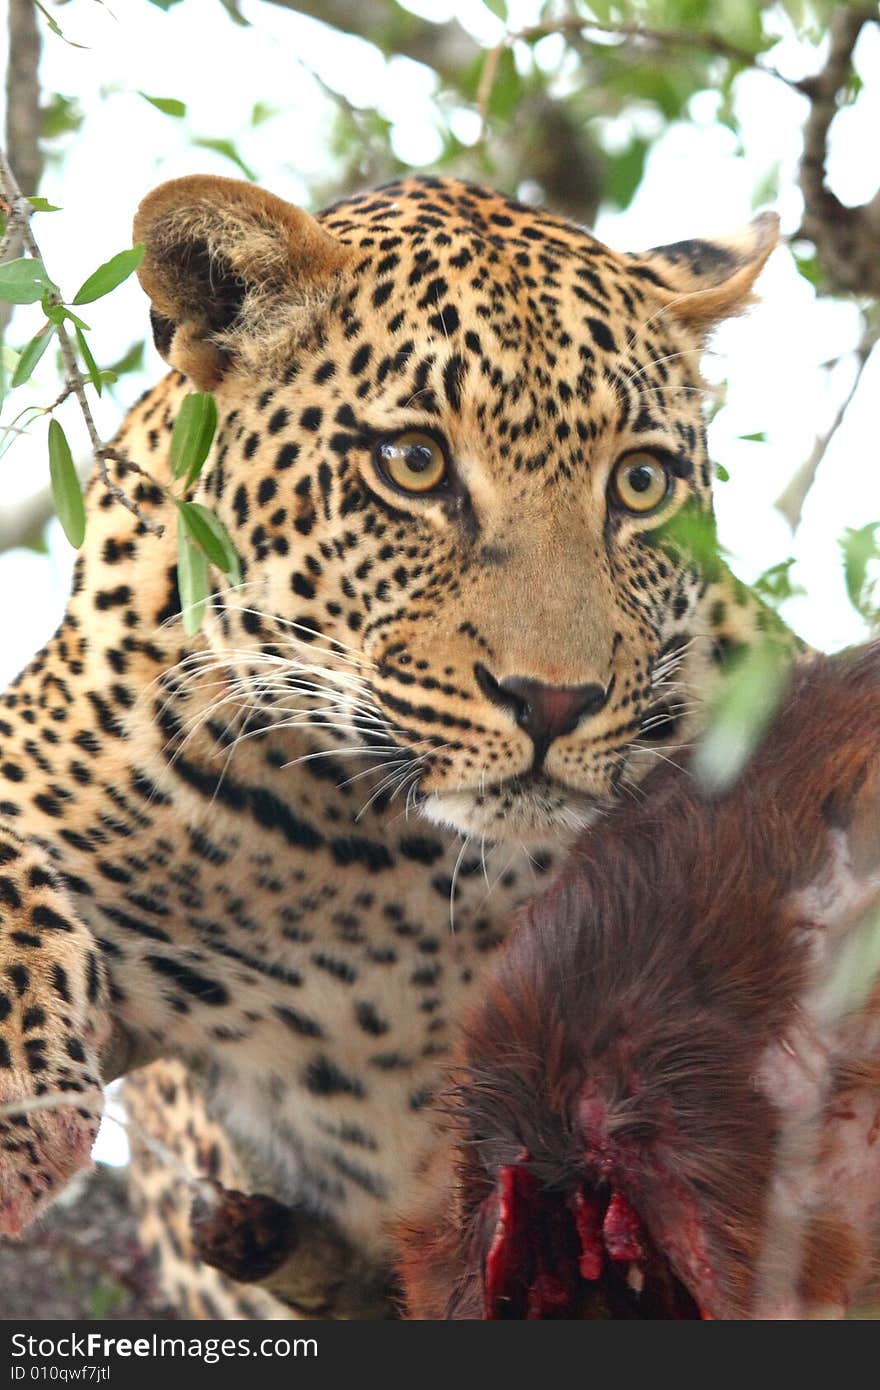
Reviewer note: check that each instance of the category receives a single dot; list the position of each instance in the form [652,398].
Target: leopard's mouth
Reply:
[531,808]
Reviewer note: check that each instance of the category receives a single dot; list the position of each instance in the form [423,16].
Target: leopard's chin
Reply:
[532,810]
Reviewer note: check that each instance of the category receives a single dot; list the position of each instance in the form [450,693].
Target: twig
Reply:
[487,82]
[74,381]
[632,29]
[791,501]
[108,452]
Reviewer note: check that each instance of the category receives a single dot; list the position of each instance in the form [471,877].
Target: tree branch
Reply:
[22,116]
[447,48]
[847,240]
[791,502]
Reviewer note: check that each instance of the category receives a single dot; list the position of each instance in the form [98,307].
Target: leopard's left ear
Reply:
[233,273]
[704,281]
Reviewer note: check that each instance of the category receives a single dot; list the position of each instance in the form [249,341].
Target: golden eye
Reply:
[412,461]
[640,482]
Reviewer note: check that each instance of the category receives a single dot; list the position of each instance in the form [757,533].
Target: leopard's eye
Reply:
[412,461]
[640,482]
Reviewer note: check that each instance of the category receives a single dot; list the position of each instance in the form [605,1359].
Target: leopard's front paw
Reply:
[47,1130]
[54,1022]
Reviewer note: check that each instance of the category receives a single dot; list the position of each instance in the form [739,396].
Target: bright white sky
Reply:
[696,183]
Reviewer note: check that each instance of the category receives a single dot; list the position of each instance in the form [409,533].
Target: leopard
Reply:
[261,861]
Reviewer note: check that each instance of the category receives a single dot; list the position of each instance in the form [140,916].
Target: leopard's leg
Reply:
[217,1252]
[163,1103]
[54,1022]
[299,1257]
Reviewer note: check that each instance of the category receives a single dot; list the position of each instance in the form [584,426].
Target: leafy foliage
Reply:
[169,106]
[775,585]
[749,693]
[23,281]
[109,275]
[191,436]
[861,553]
[66,487]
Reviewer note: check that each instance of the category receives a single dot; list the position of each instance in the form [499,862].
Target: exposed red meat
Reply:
[574,1255]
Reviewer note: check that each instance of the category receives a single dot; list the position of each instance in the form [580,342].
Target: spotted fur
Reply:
[282,851]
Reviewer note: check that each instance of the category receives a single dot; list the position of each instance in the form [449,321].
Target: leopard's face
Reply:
[447,484]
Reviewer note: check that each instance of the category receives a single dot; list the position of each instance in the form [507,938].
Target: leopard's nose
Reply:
[544,712]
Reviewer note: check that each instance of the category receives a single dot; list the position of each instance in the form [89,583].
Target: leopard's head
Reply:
[452,429]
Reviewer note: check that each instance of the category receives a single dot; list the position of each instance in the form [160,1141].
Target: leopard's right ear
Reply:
[708,279]
[233,273]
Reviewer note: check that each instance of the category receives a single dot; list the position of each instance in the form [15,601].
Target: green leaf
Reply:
[666,86]
[32,354]
[61,116]
[691,534]
[42,205]
[852,90]
[214,544]
[169,106]
[809,268]
[55,27]
[231,564]
[92,368]
[507,88]
[746,702]
[721,473]
[110,274]
[66,488]
[192,577]
[235,14]
[767,188]
[59,313]
[192,436]
[759,437]
[775,585]
[498,7]
[74,319]
[624,173]
[859,549]
[262,111]
[227,149]
[469,79]
[130,361]
[23,281]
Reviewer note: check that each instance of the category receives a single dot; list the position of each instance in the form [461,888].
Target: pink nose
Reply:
[544,712]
